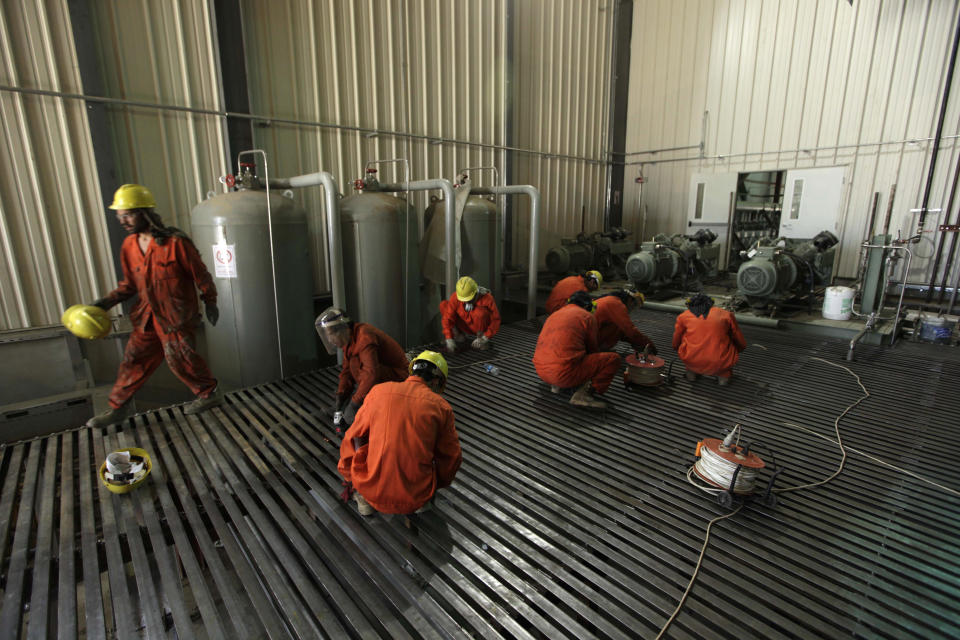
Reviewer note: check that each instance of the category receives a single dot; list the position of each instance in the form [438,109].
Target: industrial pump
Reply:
[604,252]
[674,261]
[778,269]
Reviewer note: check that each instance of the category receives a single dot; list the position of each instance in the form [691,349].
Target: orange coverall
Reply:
[614,324]
[165,316]
[711,345]
[566,351]
[371,357]
[411,446]
[484,319]
[563,290]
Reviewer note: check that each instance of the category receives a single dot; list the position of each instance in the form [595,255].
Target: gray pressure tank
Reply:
[232,229]
[381,281]
[480,250]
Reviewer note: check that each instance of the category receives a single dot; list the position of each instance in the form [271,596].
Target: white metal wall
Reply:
[53,246]
[562,104]
[793,83]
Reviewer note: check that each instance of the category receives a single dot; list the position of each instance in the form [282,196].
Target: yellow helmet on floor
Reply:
[433,358]
[86,321]
[466,289]
[125,469]
[133,196]
[596,275]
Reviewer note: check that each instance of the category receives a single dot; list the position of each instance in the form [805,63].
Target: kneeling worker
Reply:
[370,357]
[403,445]
[470,311]
[708,340]
[589,281]
[566,354]
[614,323]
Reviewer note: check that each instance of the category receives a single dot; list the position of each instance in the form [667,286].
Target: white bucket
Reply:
[838,303]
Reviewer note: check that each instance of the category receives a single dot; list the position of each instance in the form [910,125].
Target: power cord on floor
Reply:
[706,540]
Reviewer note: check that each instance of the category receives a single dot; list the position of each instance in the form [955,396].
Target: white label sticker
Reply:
[225,260]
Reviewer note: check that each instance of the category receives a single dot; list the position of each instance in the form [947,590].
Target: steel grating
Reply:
[562,523]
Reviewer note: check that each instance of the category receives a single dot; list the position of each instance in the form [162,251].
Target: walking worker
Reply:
[403,445]
[614,323]
[567,355]
[471,312]
[708,340]
[589,281]
[370,357]
[163,268]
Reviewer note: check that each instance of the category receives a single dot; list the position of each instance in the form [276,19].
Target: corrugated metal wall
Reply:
[53,246]
[562,99]
[794,83]
[364,67]
[345,70]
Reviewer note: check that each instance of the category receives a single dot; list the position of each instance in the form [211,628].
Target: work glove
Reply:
[103,303]
[350,412]
[481,342]
[213,314]
[451,345]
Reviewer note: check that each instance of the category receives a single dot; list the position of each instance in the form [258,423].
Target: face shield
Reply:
[333,327]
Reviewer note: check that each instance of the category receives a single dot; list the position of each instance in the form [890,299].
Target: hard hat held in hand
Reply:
[133,196]
[86,321]
[466,289]
[125,469]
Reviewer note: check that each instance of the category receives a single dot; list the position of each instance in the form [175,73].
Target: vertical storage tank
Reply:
[381,283]
[480,249]
[232,235]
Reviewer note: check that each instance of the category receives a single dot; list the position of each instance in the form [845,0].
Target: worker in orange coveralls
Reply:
[470,311]
[567,353]
[708,340]
[370,357]
[403,445]
[614,323]
[589,281]
[162,266]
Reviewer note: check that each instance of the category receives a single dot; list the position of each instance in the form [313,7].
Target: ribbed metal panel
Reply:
[53,246]
[562,102]
[163,53]
[426,68]
[794,84]
[562,522]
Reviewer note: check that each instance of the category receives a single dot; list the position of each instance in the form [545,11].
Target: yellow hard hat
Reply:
[86,321]
[133,196]
[466,289]
[596,276]
[435,358]
[125,480]
[639,297]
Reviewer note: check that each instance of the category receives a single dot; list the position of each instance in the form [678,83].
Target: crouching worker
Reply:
[589,281]
[567,353]
[403,445]
[470,311]
[614,323]
[370,357]
[708,340]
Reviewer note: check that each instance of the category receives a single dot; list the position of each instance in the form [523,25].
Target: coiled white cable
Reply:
[719,471]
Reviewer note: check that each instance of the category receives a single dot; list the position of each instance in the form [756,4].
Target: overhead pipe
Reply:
[334,244]
[534,235]
[936,138]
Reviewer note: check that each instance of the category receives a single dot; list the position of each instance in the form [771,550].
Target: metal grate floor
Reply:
[562,523]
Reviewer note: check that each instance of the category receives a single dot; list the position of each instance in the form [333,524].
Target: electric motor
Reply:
[652,266]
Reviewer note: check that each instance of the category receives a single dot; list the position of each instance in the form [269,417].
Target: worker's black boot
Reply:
[111,416]
[215,399]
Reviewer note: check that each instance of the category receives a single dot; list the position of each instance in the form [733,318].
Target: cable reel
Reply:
[645,370]
[730,471]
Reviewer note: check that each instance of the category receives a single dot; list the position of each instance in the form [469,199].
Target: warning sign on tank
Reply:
[225,260]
